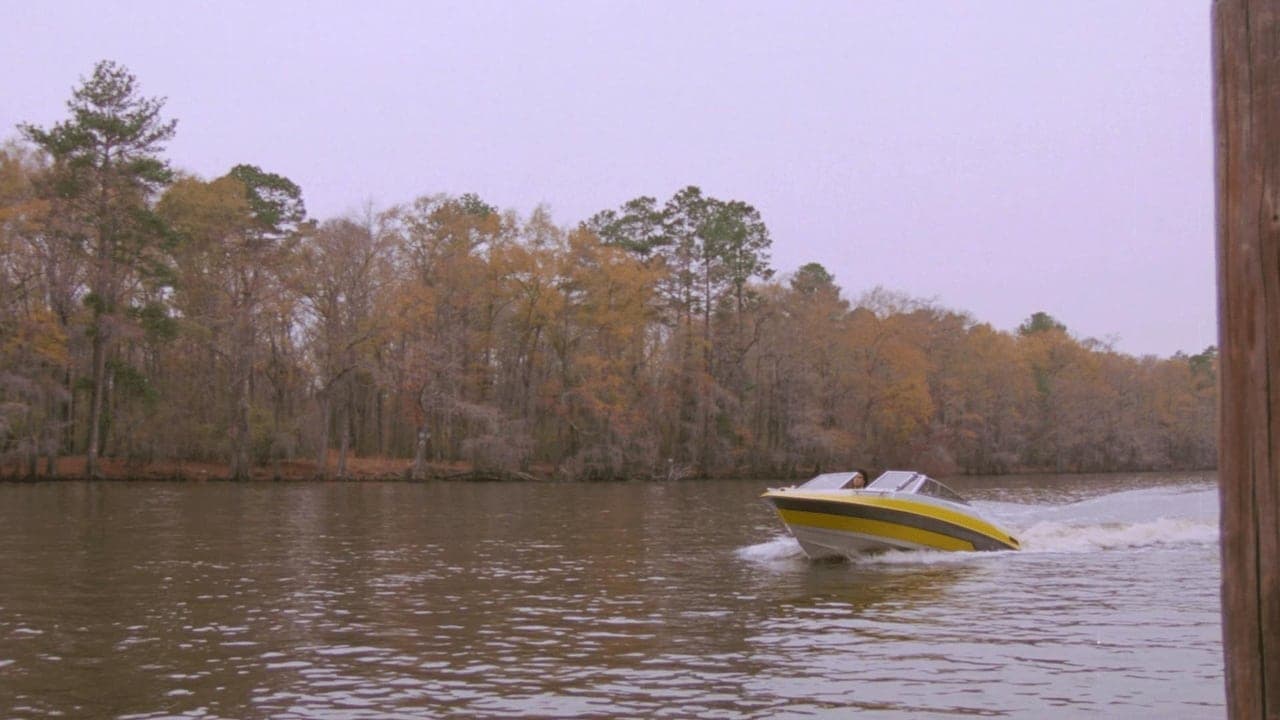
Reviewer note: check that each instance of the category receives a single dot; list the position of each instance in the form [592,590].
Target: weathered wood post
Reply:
[1246,96]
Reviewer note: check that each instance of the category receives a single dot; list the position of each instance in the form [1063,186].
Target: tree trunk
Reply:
[69,415]
[344,432]
[51,452]
[276,450]
[419,469]
[33,448]
[705,381]
[242,366]
[322,454]
[107,431]
[1246,38]
[99,374]
[240,430]
[379,411]
[53,432]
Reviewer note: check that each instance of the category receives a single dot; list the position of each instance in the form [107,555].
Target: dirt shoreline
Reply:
[363,469]
[71,469]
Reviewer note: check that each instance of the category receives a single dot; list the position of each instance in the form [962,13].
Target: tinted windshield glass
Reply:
[828,481]
[936,489]
[893,480]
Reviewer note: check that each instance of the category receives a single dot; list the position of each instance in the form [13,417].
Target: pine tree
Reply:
[106,171]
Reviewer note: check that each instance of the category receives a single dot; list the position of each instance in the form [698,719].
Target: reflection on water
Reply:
[386,600]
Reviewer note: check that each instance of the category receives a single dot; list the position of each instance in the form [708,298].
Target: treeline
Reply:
[157,316]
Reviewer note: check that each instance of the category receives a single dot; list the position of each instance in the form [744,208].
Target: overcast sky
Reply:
[1002,158]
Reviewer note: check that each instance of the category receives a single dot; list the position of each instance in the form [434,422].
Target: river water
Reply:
[597,600]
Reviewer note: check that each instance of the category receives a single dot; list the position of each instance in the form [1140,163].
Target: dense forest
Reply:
[156,316]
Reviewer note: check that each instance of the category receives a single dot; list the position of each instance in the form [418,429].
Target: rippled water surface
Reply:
[634,600]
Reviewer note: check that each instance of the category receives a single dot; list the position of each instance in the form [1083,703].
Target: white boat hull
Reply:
[819,543]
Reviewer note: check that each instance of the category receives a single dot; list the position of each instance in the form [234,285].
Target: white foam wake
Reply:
[782,548]
[1059,537]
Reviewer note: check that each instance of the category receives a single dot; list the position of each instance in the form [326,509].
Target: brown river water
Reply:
[685,600]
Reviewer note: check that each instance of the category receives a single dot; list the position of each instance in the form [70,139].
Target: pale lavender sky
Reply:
[1001,157]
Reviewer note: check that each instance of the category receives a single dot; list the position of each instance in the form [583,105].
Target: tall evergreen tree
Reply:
[106,170]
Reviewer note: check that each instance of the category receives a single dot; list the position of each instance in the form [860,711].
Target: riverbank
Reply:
[379,469]
[358,469]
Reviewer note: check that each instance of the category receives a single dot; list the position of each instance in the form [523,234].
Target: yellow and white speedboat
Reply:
[901,510]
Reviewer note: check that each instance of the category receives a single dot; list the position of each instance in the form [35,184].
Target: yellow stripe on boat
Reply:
[922,509]
[879,528]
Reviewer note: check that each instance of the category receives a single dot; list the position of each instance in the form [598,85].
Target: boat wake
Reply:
[1057,537]
[781,549]
[1125,520]
[1167,515]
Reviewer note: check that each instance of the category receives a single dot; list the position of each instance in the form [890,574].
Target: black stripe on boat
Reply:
[890,515]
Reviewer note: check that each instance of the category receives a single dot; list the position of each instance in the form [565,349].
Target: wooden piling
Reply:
[1246,97]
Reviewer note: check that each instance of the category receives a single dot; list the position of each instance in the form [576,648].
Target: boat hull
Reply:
[852,524]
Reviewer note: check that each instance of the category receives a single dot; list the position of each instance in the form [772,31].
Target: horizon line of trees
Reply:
[154,315]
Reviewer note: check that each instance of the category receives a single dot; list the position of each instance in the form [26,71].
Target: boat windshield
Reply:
[933,488]
[829,481]
[894,480]
[913,482]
